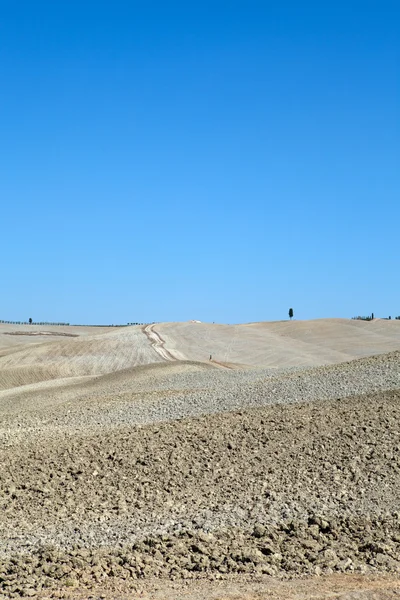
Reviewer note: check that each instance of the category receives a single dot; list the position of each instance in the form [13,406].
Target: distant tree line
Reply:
[369,318]
[91,325]
[113,325]
[30,322]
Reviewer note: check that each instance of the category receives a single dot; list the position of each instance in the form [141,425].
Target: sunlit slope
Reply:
[282,343]
[92,352]
[18,336]
[128,385]
[86,355]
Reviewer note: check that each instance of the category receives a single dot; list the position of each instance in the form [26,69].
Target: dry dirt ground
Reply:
[130,467]
[97,351]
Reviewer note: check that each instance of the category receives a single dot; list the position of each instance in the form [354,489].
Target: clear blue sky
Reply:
[220,161]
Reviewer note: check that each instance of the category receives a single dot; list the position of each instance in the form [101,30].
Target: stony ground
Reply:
[188,480]
[171,391]
[282,490]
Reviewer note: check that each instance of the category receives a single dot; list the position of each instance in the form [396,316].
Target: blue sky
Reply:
[220,161]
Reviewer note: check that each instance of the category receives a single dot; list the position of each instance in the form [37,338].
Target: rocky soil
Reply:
[170,391]
[203,474]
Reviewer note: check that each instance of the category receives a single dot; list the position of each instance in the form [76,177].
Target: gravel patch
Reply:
[186,471]
[174,391]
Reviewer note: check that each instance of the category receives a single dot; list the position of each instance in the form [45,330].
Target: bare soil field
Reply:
[283,343]
[28,356]
[132,466]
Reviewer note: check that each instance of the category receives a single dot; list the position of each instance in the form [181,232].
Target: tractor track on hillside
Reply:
[157,343]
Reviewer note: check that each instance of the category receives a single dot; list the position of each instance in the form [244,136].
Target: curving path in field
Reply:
[158,344]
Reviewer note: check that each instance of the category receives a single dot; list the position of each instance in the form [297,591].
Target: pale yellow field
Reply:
[34,354]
